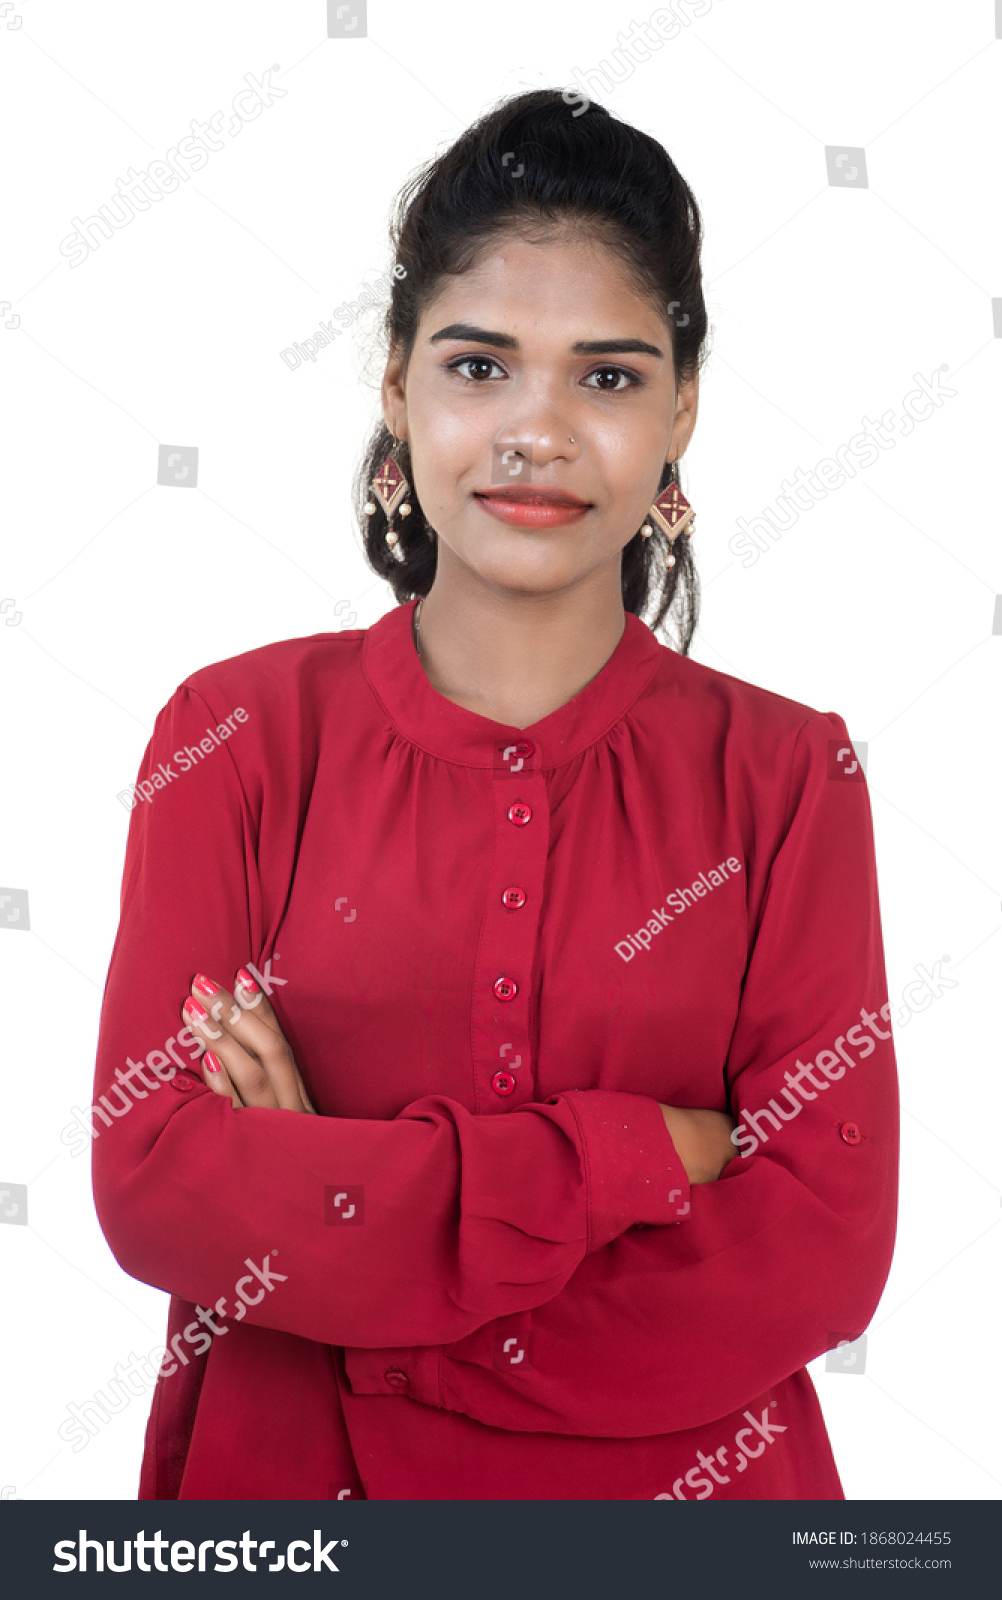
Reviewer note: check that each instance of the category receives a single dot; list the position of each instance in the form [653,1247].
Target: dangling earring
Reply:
[672,512]
[390,486]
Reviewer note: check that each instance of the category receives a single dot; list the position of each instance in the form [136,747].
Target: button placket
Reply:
[502,999]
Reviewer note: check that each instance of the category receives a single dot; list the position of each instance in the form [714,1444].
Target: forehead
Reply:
[566,280]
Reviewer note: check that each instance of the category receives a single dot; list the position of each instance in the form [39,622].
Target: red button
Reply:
[519,813]
[506,988]
[513,898]
[503,1083]
[182,1083]
[398,1379]
[850,1132]
[525,747]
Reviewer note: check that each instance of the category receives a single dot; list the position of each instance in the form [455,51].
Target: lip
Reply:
[533,508]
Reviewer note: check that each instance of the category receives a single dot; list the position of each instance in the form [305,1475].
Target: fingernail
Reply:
[212,1061]
[206,984]
[192,1008]
[247,982]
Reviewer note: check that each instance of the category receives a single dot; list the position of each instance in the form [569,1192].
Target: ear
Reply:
[686,407]
[392,395]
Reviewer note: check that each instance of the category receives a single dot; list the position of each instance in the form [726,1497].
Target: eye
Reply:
[634,381]
[474,361]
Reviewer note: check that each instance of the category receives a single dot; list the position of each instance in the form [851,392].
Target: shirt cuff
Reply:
[414,1371]
[634,1173]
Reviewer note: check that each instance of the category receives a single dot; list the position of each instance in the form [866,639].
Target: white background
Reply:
[825,302]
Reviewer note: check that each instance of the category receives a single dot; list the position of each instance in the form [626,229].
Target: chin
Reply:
[525,563]
[542,573]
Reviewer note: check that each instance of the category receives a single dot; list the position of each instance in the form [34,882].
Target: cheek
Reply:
[435,484]
[629,458]
[447,457]
[630,485]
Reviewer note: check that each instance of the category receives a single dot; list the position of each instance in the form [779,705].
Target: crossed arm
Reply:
[249,1060]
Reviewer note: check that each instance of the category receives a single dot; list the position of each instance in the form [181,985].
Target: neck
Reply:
[515,658]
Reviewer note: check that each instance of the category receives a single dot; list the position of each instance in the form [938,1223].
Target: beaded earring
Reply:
[390,487]
[672,513]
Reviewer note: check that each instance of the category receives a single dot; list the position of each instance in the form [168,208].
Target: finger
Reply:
[218,1079]
[264,1057]
[251,997]
[261,1037]
[232,1066]
[210,1030]
[244,1071]
[197,1018]
[223,1014]
[224,1008]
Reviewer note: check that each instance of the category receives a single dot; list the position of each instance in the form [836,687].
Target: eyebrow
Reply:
[584,347]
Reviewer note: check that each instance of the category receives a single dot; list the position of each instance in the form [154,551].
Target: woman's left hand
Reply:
[702,1140]
[248,1057]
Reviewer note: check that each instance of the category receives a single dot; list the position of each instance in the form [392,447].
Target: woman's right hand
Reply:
[250,1060]
[702,1139]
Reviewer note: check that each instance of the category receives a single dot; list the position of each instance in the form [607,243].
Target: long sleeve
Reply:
[667,1328]
[460,1218]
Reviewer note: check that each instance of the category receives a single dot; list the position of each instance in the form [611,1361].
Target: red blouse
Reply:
[479,1272]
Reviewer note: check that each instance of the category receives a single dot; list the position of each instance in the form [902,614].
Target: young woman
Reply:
[494,1064]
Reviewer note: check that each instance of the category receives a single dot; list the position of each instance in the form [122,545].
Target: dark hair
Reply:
[535,162]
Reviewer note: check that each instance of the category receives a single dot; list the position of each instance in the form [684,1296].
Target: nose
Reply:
[533,443]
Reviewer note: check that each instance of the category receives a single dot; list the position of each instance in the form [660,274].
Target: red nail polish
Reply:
[192,1008]
[206,984]
[212,1061]
[247,982]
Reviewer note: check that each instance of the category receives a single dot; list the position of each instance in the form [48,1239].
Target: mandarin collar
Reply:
[393,670]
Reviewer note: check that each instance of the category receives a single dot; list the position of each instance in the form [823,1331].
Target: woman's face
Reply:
[536,346]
